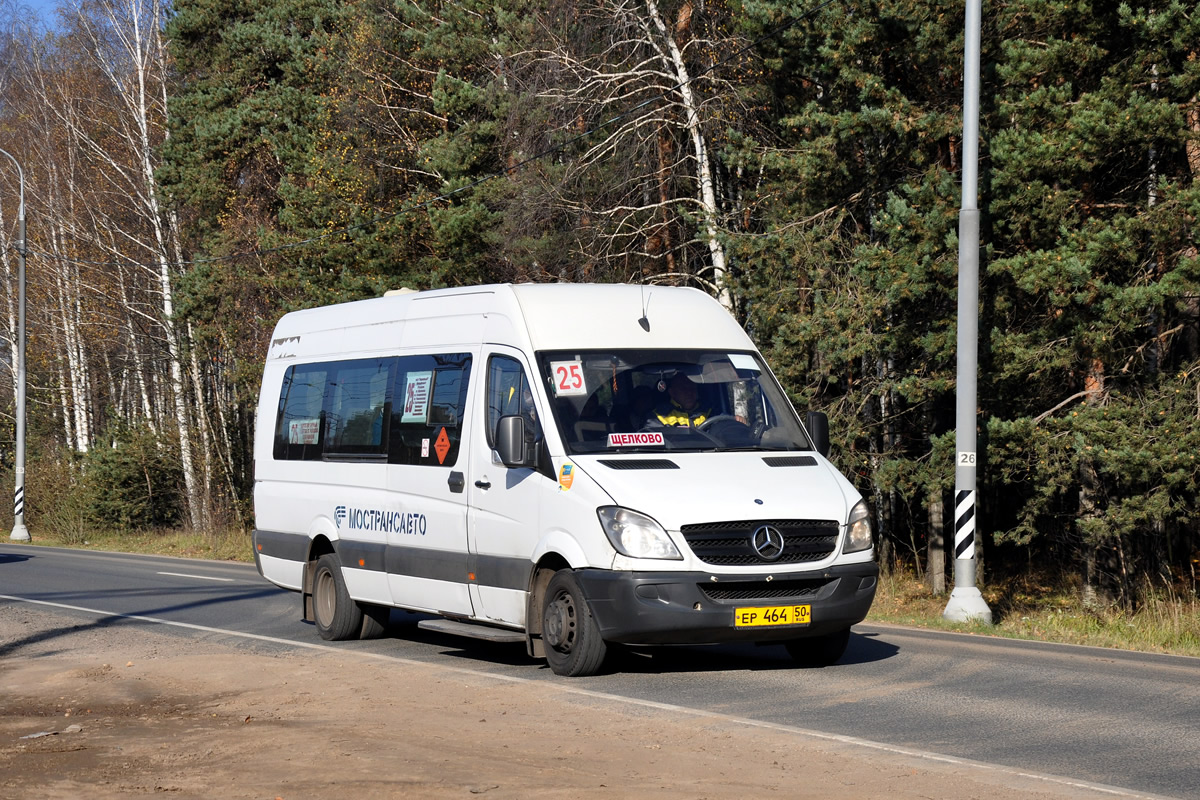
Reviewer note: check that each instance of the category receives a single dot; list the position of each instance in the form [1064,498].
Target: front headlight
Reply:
[858,528]
[636,535]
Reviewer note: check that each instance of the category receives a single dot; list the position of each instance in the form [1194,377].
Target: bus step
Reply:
[485,632]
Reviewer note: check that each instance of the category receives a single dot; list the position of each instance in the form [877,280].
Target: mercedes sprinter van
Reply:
[569,466]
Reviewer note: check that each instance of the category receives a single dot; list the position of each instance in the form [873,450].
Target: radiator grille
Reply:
[729,544]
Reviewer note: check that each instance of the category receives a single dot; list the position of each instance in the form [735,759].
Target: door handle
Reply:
[457,482]
[483,484]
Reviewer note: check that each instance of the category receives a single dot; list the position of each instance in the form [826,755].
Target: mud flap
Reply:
[306,592]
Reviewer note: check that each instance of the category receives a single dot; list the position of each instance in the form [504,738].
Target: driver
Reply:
[683,409]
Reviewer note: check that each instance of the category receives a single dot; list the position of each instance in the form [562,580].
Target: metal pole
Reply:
[19,532]
[966,603]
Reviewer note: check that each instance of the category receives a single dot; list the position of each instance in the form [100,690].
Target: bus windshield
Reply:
[678,400]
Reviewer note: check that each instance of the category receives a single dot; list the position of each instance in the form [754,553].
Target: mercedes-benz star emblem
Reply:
[767,541]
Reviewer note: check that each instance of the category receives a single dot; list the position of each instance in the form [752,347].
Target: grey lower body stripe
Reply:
[501,572]
[288,546]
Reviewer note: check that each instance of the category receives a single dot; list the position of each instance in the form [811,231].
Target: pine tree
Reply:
[852,266]
[1093,270]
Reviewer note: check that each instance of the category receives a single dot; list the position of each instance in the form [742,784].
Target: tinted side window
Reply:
[430,399]
[300,425]
[358,407]
[408,409]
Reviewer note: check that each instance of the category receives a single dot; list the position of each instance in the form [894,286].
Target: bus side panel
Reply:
[282,572]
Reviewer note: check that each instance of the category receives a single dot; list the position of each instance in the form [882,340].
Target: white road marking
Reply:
[851,741]
[197,577]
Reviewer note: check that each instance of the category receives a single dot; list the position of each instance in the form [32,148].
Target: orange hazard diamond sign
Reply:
[442,446]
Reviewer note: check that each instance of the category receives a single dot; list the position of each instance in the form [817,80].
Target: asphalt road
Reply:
[1104,717]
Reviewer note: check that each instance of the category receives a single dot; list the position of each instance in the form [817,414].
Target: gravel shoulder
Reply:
[125,710]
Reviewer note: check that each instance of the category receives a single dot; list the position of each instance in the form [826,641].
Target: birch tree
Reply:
[124,39]
[104,98]
[645,79]
[58,173]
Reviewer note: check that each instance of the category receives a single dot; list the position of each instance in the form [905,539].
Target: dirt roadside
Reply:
[104,711]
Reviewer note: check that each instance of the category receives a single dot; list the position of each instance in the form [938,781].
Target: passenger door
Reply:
[426,522]
[504,518]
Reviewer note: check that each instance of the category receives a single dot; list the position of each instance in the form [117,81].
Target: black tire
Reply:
[819,651]
[572,640]
[337,616]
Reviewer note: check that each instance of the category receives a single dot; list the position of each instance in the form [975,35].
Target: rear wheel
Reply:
[572,640]
[337,616]
[819,651]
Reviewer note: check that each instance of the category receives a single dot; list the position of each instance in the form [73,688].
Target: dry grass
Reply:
[1051,611]
[221,546]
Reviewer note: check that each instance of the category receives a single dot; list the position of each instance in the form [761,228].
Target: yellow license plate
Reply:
[771,615]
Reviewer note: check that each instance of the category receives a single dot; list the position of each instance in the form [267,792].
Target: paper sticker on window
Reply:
[416,397]
[304,431]
[566,476]
[568,378]
[743,361]
[634,439]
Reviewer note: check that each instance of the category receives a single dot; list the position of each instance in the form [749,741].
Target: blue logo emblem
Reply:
[339,514]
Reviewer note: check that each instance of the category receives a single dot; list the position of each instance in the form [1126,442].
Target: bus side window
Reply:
[356,394]
[429,401]
[300,424]
[509,393]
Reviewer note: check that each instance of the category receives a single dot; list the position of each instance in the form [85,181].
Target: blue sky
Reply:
[43,8]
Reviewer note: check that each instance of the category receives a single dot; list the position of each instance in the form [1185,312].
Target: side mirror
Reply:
[818,430]
[511,444]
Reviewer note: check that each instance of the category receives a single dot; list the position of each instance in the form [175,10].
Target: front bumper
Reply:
[698,607]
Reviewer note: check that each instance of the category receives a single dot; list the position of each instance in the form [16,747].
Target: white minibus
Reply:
[569,466]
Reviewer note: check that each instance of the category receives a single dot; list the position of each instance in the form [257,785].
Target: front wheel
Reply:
[573,644]
[337,616]
[819,651]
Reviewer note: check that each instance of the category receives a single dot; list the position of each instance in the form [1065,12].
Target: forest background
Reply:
[194,170]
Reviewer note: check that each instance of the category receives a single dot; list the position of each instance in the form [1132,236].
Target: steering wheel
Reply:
[719,419]
[726,430]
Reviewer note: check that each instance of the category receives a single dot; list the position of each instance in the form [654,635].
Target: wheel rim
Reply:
[558,629]
[324,598]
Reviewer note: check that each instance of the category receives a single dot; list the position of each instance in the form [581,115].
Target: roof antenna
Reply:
[644,321]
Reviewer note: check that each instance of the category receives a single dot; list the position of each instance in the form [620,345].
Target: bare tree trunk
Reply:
[660,203]
[707,194]
[1192,145]
[134,365]
[1095,590]
[68,316]
[71,318]
[118,394]
[935,573]
[664,200]
[132,34]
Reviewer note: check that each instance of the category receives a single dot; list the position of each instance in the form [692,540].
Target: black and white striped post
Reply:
[19,532]
[966,603]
